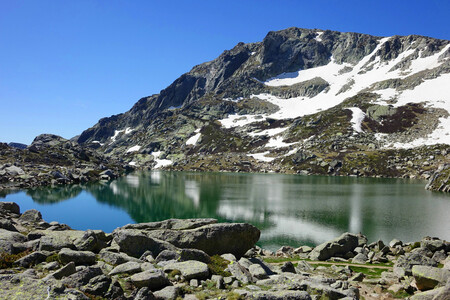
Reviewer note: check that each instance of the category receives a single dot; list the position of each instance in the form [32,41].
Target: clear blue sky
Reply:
[66,64]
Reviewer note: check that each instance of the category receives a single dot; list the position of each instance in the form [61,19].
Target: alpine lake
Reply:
[289,210]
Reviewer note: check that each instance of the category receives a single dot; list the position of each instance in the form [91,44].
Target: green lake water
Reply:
[288,209]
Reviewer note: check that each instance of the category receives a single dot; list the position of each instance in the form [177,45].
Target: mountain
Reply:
[301,101]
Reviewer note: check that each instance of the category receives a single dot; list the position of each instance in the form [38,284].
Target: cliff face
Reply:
[301,100]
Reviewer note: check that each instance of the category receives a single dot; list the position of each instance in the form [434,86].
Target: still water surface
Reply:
[289,209]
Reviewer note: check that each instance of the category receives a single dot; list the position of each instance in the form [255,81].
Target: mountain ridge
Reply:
[305,101]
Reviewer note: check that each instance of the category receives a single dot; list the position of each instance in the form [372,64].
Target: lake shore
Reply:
[202,259]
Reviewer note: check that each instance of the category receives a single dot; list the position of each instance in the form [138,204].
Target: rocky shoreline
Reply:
[53,160]
[203,259]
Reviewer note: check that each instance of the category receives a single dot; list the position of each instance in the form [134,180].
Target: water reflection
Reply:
[289,209]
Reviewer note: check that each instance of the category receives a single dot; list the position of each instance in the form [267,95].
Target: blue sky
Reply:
[66,64]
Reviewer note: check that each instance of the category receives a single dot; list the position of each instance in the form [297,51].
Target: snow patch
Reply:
[318,36]
[117,132]
[236,120]
[193,139]
[269,132]
[262,156]
[128,130]
[440,135]
[357,117]
[134,149]
[160,162]
[277,142]
[132,163]
[174,107]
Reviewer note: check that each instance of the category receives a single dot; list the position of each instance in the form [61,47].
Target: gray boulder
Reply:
[128,267]
[406,262]
[190,269]
[360,258]
[14,171]
[241,273]
[235,238]
[65,271]
[31,215]
[153,279]
[78,257]
[116,258]
[429,277]
[32,259]
[134,243]
[257,271]
[167,293]
[10,207]
[82,276]
[340,246]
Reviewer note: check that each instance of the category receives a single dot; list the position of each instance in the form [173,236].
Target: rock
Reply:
[65,271]
[12,237]
[82,276]
[10,207]
[135,243]
[235,238]
[128,267]
[394,243]
[67,255]
[229,257]
[14,171]
[429,277]
[411,259]
[97,286]
[258,272]
[357,277]
[116,258]
[240,273]
[433,244]
[144,294]
[340,246]
[302,249]
[115,291]
[360,259]
[245,262]
[167,293]
[190,269]
[7,225]
[91,241]
[154,279]
[303,266]
[57,240]
[281,295]
[32,259]
[288,267]
[442,293]
[31,215]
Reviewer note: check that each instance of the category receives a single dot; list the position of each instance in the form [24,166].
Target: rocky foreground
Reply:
[201,259]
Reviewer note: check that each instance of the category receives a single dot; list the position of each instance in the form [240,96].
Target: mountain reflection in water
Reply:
[289,209]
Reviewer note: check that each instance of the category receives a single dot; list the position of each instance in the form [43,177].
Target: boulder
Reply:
[174,224]
[235,238]
[10,207]
[14,171]
[407,261]
[241,273]
[65,271]
[360,258]
[134,243]
[32,259]
[257,271]
[128,267]
[153,279]
[78,257]
[12,237]
[31,215]
[340,246]
[56,240]
[116,258]
[92,240]
[167,293]
[429,277]
[82,276]
[190,269]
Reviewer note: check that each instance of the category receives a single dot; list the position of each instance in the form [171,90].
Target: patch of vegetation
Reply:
[274,260]
[174,273]
[400,294]
[369,272]
[52,258]
[7,260]
[218,266]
